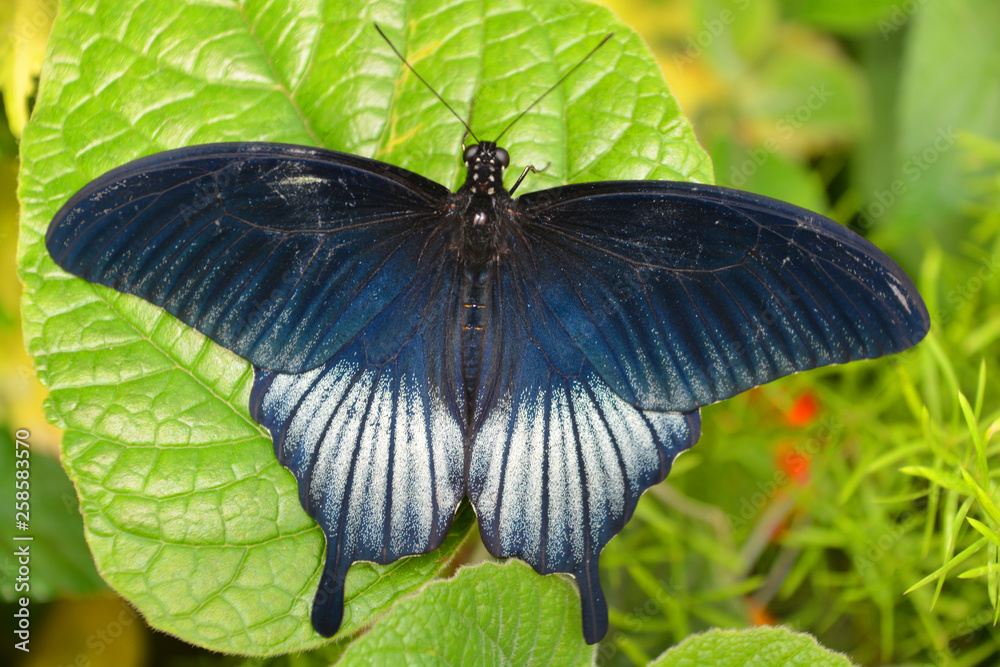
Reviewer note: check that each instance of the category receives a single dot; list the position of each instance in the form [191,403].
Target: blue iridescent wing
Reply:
[682,294]
[328,272]
[271,250]
[374,437]
[558,460]
[619,309]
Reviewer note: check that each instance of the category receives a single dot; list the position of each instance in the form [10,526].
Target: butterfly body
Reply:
[545,356]
[473,324]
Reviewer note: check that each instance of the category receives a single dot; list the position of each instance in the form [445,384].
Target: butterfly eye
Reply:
[503,157]
[470,153]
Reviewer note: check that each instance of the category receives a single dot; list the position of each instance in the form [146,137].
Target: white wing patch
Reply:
[901,297]
[382,459]
[556,471]
[377,455]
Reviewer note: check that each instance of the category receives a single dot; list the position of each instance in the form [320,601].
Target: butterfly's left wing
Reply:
[374,436]
[329,273]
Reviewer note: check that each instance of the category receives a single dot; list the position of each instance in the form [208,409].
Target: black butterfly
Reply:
[545,356]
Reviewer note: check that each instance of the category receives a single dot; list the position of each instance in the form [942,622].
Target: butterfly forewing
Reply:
[276,252]
[681,294]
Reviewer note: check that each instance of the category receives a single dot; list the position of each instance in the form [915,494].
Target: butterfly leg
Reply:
[533,169]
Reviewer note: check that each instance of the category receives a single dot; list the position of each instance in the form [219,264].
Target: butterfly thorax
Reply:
[483,208]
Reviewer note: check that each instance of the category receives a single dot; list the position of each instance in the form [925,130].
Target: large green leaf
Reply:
[487,615]
[186,510]
[759,647]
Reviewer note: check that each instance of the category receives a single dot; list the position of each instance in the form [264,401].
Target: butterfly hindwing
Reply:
[683,294]
[558,460]
[373,437]
[273,251]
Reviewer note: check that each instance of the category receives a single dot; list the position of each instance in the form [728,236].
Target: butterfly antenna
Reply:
[556,84]
[429,87]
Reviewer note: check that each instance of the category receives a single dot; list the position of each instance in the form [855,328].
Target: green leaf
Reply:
[952,524]
[763,647]
[972,422]
[940,477]
[956,560]
[186,510]
[490,614]
[985,500]
[975,572]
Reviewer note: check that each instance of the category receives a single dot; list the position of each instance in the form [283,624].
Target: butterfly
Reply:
[545,356]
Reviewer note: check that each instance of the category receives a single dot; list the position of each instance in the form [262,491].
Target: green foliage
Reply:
[872,523]
[852,16]
[789,95]
[487,615]
[25,25]
[936,105]
[760,647]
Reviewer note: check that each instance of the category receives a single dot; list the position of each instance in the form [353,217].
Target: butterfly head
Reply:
[486,162]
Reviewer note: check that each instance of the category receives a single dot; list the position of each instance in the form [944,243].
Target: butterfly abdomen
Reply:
[472,327]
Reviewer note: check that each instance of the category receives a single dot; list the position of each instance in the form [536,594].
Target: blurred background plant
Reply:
[859,503]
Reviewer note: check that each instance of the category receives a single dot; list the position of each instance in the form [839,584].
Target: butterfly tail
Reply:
[595,607]
[328,605]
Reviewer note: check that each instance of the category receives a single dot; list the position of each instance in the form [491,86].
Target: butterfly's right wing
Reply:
[621,308]
[280,253]
[682,294]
